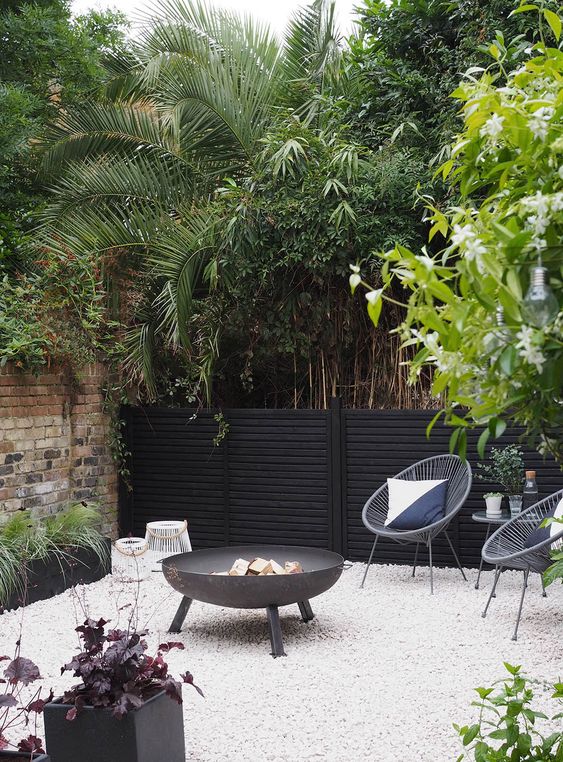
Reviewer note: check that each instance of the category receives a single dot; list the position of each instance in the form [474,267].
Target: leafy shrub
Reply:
[506,730]
[506,469]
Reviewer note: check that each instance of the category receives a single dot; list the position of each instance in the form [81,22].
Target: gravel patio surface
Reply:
[380,674]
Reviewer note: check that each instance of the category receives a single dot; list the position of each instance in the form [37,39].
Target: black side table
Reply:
[482,518]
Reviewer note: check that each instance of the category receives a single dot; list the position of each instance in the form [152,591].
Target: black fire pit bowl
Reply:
[191,575]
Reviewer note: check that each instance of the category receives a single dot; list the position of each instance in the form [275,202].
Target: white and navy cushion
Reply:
[544,533]
[415,504]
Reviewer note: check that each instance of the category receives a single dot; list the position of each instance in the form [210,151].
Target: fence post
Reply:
[226,501]
[335,533]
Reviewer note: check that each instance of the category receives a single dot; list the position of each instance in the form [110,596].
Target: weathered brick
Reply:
[33,478]
[31,502]
[91,461]
[5,470]
[24,423]
[13,457]
[51,454]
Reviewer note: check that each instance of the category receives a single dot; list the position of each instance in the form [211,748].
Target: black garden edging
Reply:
[55,574]
[18,756]
[154,731]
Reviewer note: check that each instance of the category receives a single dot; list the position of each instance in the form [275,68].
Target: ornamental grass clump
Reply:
[24,539]
[117,673]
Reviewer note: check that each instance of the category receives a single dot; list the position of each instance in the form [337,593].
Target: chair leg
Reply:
[455,555]
[544,592]
[498,570]
[431,575]
[415,559]
[524,586]
[481,559]
[369,562]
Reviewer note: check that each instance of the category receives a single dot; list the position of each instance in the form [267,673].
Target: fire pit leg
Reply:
[274,627]
[306,611]
[180,615]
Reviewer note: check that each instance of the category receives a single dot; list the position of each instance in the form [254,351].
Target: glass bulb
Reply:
[540,305]
[498,338]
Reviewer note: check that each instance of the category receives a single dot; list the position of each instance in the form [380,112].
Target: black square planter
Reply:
[18,756]
[153,733]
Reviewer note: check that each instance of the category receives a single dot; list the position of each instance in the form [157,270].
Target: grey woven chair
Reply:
[449,467]
[506,548]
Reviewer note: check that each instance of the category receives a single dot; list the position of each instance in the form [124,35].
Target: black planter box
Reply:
[53,575]
[153,733]
[18,756]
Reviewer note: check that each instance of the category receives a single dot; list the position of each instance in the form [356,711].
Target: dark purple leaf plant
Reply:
[17,708]
[117,672]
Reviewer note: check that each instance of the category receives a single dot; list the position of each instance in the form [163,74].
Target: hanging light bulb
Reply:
[498,338]
[540,305]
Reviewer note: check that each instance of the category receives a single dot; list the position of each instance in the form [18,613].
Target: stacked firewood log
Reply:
[260,567]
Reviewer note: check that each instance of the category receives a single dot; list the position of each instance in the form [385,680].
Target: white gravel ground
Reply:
[380,674]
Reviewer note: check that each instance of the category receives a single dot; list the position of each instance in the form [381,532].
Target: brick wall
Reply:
[53,443]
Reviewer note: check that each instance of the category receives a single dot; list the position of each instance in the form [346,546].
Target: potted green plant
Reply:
[493,501]
[126,707]
[507,469]
[15,712]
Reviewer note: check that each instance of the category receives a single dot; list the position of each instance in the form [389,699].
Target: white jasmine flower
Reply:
[355,280]
[528,348]
[539,122]
[560,171]
[538,224]
[373,296]
[467,240]
[537,243]
[492,127]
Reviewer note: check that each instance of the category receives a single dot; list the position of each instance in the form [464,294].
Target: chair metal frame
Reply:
[505,549]
[450,467]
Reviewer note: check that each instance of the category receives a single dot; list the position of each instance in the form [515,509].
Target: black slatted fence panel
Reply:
[278,477]
[176,473]
[291,476]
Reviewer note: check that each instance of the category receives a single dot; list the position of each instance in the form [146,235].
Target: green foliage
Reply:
[555,571]
[506,469]
[139,172]
[50,303]
[506,165]
[55,312]
[24,539]
[506,730]
[315,199]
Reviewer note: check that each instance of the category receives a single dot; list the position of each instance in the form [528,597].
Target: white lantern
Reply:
[131,560]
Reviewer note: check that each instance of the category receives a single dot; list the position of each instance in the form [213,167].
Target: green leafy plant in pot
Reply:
[126,707]
[507,469]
